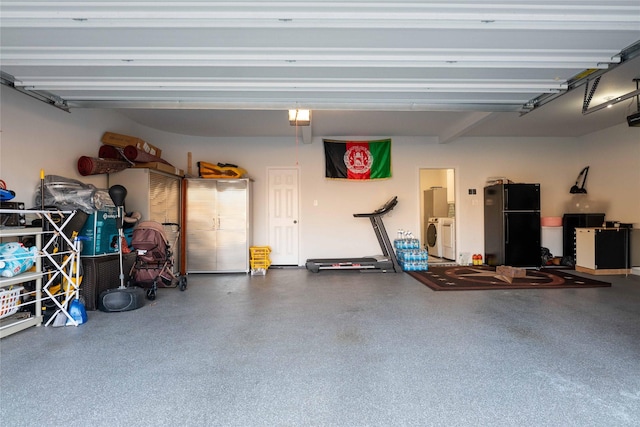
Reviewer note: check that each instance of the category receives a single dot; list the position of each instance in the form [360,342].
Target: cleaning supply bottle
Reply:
[78,312]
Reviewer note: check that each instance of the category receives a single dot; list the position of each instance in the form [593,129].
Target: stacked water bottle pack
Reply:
[408,252]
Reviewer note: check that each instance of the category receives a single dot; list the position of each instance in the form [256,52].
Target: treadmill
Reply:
[385,263]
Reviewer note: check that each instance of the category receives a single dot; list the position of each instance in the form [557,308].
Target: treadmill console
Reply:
[391,203]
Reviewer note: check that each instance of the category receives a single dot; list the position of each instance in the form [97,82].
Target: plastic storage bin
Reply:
[9,301]
[259,259]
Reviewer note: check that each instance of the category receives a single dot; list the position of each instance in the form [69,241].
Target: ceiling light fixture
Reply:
[299,117]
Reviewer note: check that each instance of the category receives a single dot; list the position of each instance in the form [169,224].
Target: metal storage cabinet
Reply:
[603,250]
[218,225]
[156,195]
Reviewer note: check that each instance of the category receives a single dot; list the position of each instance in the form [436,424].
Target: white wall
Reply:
[614,174]
[36,136]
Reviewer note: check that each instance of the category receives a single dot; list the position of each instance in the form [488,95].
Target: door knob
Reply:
[295,221]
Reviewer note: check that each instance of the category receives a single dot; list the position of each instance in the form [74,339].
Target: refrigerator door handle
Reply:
[506,229]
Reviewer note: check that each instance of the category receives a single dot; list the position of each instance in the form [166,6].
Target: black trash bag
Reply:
[568,261]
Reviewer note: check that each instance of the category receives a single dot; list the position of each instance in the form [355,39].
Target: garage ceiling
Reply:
[428,68]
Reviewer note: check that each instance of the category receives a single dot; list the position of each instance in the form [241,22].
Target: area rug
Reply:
[462,278]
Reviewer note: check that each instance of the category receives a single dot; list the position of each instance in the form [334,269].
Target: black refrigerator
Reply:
[512,225]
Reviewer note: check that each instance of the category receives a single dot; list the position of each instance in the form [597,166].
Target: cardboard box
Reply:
[100,233]
[119,140]
[163,167]
[505,270]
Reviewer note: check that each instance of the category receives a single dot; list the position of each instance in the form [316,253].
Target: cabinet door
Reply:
[164,198]
[612,249]
[164,206]
[201,252]
[201,226]
[585,248]
[232,207]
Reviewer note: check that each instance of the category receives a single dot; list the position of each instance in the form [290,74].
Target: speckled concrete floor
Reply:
[294,348]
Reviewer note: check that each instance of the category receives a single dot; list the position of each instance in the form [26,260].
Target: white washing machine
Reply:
[440,237]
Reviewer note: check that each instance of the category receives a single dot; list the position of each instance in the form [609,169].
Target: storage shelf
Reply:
[20,278]
[44,242]
[12,324]
[17,321]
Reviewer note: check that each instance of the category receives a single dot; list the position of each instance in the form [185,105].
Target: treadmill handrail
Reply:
[387,207]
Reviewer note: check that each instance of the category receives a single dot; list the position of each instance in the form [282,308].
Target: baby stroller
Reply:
[154,265]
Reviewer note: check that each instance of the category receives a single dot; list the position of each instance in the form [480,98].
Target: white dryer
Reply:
[439,237]
[449,238]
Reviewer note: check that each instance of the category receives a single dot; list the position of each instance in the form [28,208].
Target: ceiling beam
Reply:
[347,85]
[43,96]
[179,103]
[613,15]
[306,134]
[307,57]
[464,125]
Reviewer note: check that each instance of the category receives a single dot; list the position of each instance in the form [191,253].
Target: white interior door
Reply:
[283,215]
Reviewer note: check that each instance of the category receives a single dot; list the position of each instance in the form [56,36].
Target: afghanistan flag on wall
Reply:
[357,160]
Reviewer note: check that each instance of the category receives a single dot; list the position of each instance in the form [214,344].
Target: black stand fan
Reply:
[122,298]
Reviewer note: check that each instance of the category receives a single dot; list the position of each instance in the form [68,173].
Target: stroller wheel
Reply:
[182,283]
[151,292]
